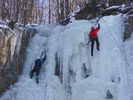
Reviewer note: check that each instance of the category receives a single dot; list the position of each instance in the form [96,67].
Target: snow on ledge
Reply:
[113,7]
[3,26]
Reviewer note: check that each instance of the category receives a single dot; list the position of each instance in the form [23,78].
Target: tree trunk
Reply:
[3,15]
[58,14]
[62,9]
[67,11]
[49,11]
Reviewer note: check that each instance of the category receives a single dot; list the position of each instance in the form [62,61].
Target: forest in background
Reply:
[47,11]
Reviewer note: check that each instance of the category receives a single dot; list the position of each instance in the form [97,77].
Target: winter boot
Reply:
[31,75]
[91,53]
[98,48]
[37,79]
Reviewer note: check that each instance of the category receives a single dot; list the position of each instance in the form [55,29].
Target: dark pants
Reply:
[37,70]
[92,45]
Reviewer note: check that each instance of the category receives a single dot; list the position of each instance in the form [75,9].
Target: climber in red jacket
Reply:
[93,37]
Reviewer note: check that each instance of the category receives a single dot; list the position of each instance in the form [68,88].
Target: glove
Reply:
[45,56]
[98,26]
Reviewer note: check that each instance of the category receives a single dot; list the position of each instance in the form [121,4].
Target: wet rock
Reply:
[109,95]
[130,19]
[13,46]
[128,28]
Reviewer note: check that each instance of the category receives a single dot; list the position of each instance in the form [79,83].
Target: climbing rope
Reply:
[124,56]
[46,89]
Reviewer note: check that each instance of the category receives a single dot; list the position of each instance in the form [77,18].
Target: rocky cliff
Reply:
[13,45]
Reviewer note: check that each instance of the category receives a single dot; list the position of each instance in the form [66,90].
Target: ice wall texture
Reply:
[70,73]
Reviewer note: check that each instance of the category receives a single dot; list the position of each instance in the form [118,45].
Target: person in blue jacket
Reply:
[37,68]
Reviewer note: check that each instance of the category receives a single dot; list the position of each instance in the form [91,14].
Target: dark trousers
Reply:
[37,70]
[92,45]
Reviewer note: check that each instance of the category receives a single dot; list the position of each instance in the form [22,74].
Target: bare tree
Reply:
[46,11]
[67,10]
[58,14]
[49,11]
[3,14]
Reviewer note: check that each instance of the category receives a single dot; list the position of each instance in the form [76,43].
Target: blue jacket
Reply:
[39,62]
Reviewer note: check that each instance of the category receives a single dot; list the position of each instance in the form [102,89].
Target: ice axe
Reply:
[97,19]
[88,43]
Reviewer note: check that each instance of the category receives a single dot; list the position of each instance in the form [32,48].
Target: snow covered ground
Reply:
[107,69]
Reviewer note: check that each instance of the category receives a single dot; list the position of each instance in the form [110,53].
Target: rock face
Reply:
[128,31]
[83,13]
[128,27]
[12,54]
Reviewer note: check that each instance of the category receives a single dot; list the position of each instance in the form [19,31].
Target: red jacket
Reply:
[93,33]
